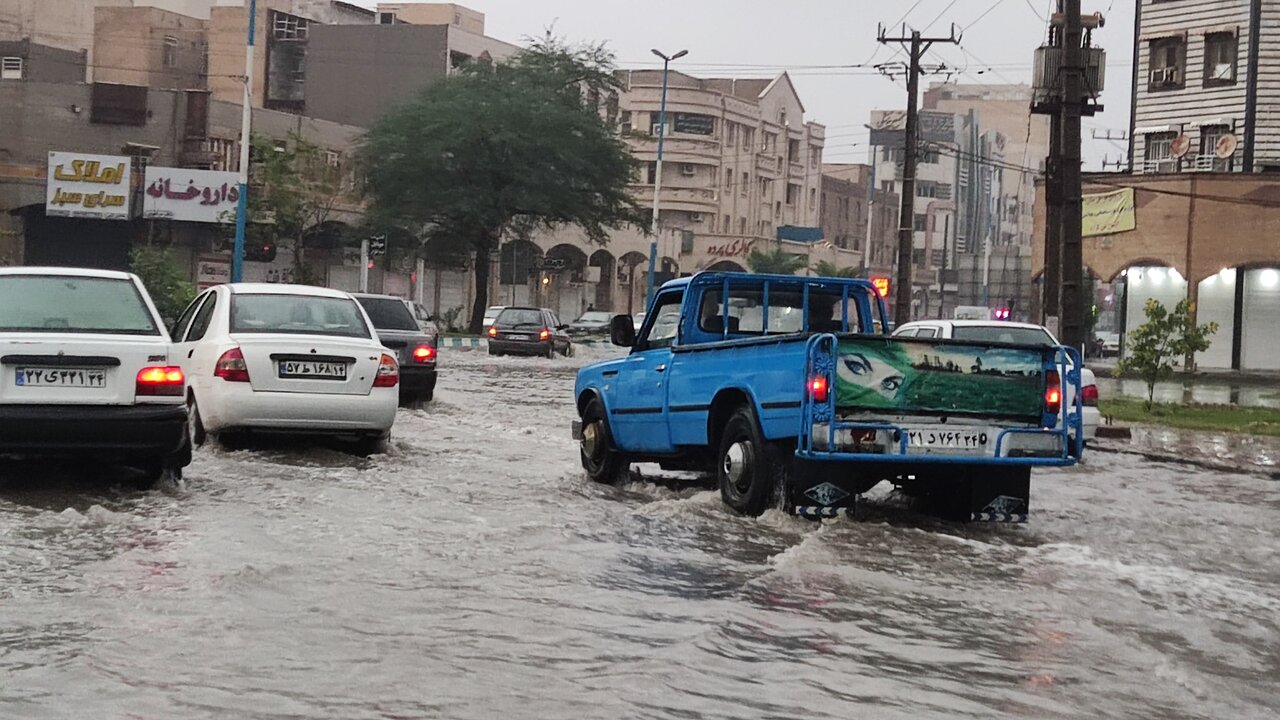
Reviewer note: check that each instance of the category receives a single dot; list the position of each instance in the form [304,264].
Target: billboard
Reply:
[1108,213]
[935,127]
[88,186]
[206,196]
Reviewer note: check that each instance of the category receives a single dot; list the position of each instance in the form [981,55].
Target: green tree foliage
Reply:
[826,268]
[294,190]
[494,148]
[1164,338]
[165,280]
[775,261]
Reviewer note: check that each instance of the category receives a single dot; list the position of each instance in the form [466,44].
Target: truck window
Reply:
[664,321]
[785,311]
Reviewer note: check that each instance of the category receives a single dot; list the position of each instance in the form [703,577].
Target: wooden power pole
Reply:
[918,46]
[1073,327]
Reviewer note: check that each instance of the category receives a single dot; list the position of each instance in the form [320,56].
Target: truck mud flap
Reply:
[816,493]
[997,496]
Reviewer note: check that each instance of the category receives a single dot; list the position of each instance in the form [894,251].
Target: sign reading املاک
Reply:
[88,186]
[207,196]
[1108,213]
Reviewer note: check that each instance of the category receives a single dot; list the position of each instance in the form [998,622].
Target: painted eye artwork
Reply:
[881,378]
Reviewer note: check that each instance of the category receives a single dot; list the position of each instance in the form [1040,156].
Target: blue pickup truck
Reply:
[791,392]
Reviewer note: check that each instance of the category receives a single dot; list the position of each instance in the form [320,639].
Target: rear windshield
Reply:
[515,317]
[297,314]
[1001,334]
[66,303]
[786,313]
[388,313]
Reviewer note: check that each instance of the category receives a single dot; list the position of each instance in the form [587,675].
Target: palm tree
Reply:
[775,261]
[826,268]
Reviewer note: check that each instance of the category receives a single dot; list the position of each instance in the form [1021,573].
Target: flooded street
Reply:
[473,572]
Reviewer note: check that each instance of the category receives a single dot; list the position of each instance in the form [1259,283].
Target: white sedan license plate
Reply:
[947,439]
[61,377]
[517,337]
[312,369]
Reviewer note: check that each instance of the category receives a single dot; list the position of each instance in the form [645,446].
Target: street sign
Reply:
[542,263]
[378,245]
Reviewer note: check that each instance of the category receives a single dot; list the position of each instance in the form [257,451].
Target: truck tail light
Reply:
[545,334]
[818,388]
[1090,395]
[231,366]
[424,353]
[388,373]
[163,381]
[1052,393]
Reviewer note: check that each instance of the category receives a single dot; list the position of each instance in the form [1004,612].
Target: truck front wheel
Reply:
[747,467]
[600,458]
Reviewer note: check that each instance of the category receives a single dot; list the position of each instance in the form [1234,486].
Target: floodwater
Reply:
[473,572]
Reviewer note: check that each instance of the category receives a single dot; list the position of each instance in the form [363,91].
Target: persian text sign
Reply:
[88,186]
[212,270]
[1108,213]
[207,196]
[737,248]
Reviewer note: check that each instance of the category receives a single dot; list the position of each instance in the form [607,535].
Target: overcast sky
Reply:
[745,38]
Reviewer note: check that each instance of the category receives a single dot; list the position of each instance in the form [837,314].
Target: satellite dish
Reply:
[1181,145]
[1226,146]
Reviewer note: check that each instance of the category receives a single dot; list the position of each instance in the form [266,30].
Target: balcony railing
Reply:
[1202,162]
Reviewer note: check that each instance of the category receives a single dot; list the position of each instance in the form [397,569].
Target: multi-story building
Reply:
[1204,85]
[150,47]
[857,218]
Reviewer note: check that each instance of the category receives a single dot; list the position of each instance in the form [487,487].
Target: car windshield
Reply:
[595,316]
[296,314]
[1002,334]
[67,303]
[515,317]
[388,313]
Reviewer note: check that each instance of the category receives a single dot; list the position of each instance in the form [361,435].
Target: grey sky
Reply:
[755,38]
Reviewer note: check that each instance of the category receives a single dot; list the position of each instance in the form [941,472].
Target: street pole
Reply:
[1052,312]
[364,265]
[246,118]
[906,221]
[1073,329]
[871,205]
[657,174]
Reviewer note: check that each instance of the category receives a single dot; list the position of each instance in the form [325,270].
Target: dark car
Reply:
[528,331]
[592,322]
[398,329]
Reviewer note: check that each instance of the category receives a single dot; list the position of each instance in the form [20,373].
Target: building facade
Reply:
[858,218]
[1205,82]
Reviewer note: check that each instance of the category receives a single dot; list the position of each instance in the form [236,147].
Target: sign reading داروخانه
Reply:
[207,196]
[88,186]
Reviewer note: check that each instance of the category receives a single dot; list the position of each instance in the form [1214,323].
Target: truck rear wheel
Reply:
[748,468]
[600,458]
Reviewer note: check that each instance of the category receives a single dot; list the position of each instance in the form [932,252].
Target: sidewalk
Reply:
[1208,387]
[1223,452]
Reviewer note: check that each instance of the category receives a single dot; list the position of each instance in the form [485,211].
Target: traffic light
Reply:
[260,252]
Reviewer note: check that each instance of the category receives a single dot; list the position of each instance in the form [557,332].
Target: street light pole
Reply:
[657,174]
[246,117]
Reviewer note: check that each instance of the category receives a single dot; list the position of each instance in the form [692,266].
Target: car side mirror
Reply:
[622,331]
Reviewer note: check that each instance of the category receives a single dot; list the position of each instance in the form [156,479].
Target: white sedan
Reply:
[1010,332]
[289,359]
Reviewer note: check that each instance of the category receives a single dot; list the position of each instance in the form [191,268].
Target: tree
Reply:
[775,261]
[826,268]
[294,190]
[165,281]
[1165,337]
[495,146]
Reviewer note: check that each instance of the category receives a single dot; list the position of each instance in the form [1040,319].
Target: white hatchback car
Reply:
[289,359]
[87,371]
[1010,332]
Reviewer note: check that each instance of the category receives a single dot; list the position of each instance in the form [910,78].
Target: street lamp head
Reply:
[667,58]
[680,54]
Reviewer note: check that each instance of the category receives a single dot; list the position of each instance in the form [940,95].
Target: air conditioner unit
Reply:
[695,217]
[688,169]
[1165,76]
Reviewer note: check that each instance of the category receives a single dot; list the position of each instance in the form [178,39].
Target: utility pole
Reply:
[246,118]
[657,170]
[1073,329]
[1051,312]
[906,221]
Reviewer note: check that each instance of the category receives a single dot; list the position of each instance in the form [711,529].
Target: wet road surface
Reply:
[473,572]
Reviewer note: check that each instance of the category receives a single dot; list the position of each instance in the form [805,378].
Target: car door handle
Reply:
[660,368]
[191,352]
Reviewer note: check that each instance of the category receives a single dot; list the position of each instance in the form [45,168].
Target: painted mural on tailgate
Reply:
[900,374]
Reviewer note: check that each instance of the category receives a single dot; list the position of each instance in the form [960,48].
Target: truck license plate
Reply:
[61,377]
[326,370]
[952,439]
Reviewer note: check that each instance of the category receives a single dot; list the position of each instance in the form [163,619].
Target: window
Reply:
[11,68]
[66,303]
[746,183]
[296,314]
[793,150]
[886,186]
[1168,64]
[663,323]
[921,222]
[170,51]
[728,178]
[892,154]
[288,27]
[1158,153]
[226,154]
[180,325]
[112,104]
[728,225]
[1219,59]
[625,122]
[1002,333]
[766,188]
[928,157]
[388,313]
[785,311]
[1209,137]
[769,142]
[793,193]
[386,18]
[813,199]
[651,173]
[731,134]
[748,136]
[927,332]
[200,324]
[742,226]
